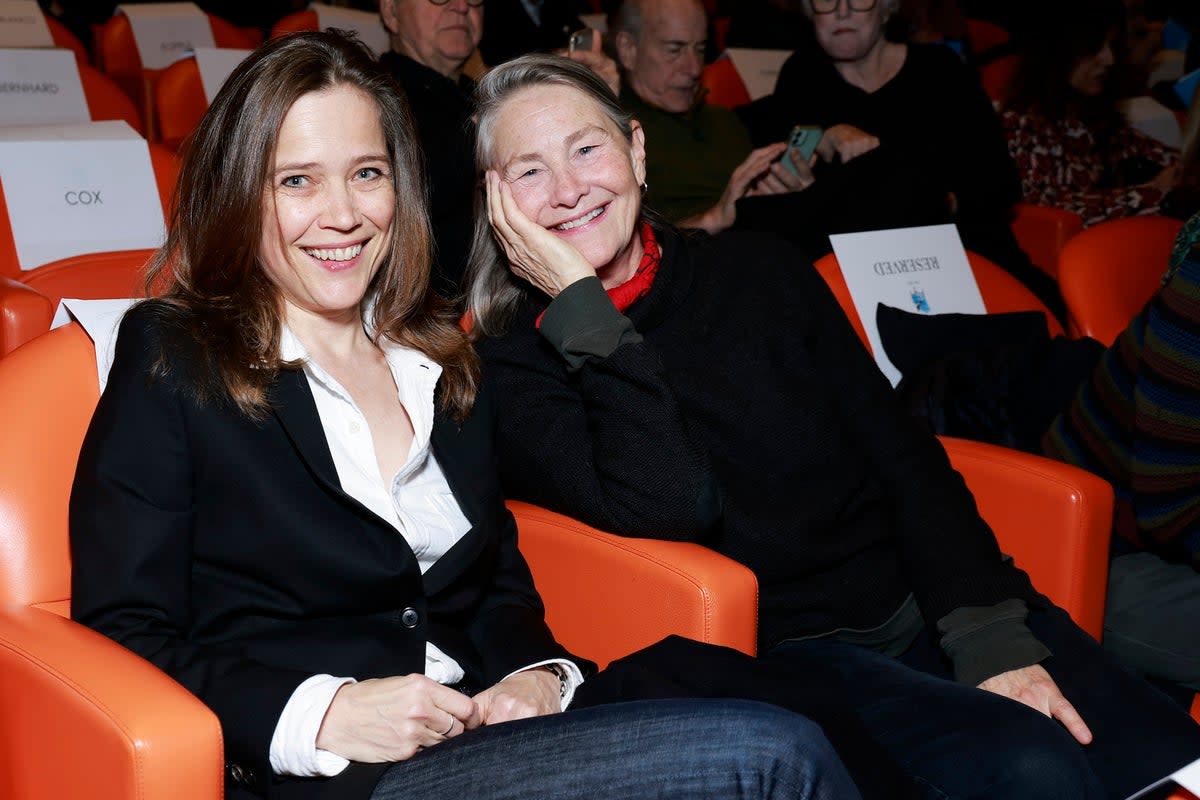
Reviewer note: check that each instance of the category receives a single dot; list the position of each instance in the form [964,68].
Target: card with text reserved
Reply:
[923,270]
[166,32]
[215,64]
[366,24]
[22,24]
[40,86]
[82,188]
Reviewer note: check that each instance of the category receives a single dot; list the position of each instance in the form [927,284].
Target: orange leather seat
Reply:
[83,717]
[1110,271]
[117,55]
[296,21]
[62,37]
[724,85]
[984,35]
[1000,290]
[106,100]
[179,101]
[166,173]
[27,306]
[1042,233]
[997,76]
[1052,518]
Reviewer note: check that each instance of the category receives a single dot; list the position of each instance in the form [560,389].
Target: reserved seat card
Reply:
[758,69]
[74,189]
[215,64]
[39,87]
[22,24]
[166,32]
[365,23]
[923,270]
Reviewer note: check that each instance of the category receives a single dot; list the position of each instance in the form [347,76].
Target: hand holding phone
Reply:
[802,143]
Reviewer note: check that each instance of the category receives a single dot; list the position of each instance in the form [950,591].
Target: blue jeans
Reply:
[962,742]
[684,749]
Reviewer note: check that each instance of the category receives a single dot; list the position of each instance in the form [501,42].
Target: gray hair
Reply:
[493,293]
[626,17]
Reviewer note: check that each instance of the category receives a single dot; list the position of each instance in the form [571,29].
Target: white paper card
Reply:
[923,270]
[758,69]
[166,32]
[1153,119]
[39,87]
[365,23]
[23,25]
[100,319]
[74,189]
[215,64]
[1188,777]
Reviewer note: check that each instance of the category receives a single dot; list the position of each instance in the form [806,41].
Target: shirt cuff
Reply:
[294,744]
[984,641]
[582,323]
[573,681]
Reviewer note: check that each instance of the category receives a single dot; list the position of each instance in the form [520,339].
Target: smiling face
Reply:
[440,37]
[847,35]
[572,171]
[327,212]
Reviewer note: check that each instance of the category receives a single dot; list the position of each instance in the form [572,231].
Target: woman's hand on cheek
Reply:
[534,253]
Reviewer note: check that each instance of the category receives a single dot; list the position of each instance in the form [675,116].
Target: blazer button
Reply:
[409,618]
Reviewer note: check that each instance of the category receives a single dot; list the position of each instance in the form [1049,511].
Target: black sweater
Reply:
[749,418]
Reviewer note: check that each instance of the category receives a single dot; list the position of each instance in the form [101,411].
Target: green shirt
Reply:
[690,156]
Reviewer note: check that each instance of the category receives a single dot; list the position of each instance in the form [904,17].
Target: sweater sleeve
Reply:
[578,414]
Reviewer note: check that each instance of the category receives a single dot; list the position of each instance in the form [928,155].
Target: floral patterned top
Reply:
[1061,166]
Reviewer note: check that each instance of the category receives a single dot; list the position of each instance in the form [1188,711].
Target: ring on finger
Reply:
[449,727]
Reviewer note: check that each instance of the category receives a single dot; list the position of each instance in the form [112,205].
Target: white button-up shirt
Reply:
[416,501]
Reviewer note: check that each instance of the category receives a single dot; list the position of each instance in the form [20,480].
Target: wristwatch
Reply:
[564,677]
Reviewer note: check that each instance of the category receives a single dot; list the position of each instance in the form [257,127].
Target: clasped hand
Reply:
[390,719]
[533,252]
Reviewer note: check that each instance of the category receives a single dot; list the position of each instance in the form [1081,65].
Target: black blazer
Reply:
[223,550]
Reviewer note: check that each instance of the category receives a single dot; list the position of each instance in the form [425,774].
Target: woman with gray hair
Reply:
[916,101]
[710,389]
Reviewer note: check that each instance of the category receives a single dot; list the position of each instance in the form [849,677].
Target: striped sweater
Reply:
[1136,421]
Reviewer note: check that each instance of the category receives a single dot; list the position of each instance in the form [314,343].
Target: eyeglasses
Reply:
[830,6]
[471,3]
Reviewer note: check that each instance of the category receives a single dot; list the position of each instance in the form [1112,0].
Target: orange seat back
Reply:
[997,76]
[724,84]
[1110,271]
[1000,290]
[296,21]
[117,55]
[1042,232]
[106,100]
[984,35]
[179,101]
[62,37]
[41,426]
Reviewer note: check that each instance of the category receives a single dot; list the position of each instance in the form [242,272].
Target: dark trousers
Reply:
[963,742]
[904,728]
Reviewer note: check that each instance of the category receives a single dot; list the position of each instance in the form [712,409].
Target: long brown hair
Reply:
[217,291]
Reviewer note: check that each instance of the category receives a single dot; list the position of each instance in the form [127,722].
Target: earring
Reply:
[645,187]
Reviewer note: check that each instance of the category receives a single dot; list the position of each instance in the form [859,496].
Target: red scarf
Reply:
[638,285]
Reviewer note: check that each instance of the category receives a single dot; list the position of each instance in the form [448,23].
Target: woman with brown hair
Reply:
[286,499]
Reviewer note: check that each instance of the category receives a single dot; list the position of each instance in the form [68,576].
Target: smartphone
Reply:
[803,142]
[582,39]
